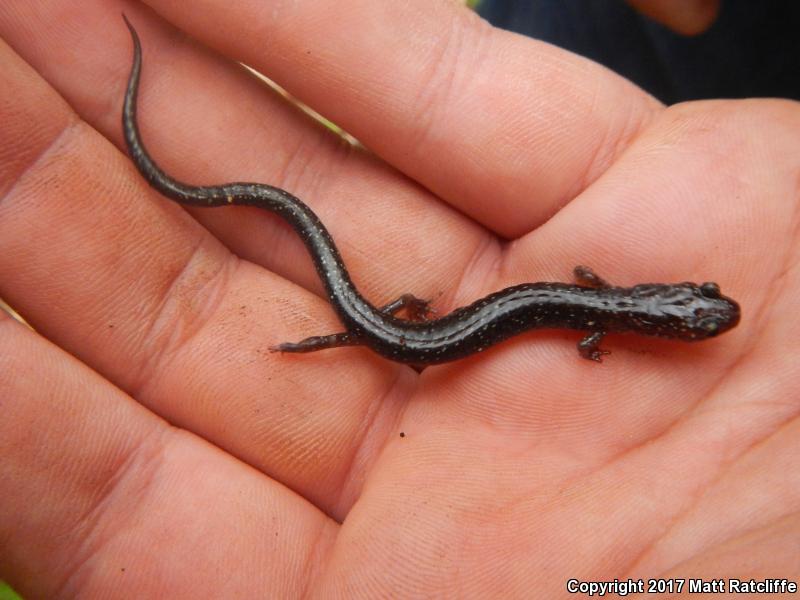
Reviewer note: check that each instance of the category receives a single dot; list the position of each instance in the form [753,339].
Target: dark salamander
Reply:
[683,311]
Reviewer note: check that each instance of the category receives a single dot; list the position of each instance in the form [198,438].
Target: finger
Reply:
[239,130]
[504,128]
[93,483]
[132,286]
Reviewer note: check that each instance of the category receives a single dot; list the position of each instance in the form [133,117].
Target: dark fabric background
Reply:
[753,49]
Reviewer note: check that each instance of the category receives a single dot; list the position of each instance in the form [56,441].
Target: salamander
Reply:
[682,311]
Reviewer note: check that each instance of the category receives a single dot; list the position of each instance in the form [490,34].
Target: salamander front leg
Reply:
[417,309]
[317,342]
[586,276]
[589,346]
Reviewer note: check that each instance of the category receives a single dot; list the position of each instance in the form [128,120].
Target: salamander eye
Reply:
[710,290]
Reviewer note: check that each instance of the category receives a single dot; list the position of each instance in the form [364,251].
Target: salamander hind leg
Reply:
[317,342]
[586,276]
[589,346]
[417,309]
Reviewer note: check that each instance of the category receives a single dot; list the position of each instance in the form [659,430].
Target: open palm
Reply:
[150,441]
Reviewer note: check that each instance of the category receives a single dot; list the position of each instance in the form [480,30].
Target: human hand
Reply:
[519,468]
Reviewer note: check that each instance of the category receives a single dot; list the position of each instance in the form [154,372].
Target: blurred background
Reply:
[675,49]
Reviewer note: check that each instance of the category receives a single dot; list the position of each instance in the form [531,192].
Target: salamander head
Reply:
[685,311]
